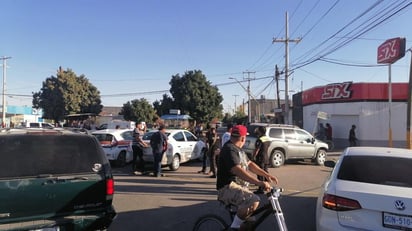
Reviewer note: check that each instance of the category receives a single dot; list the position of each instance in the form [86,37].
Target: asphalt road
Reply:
[175,202]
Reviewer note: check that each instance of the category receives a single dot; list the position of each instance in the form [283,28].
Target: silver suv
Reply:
[287,142]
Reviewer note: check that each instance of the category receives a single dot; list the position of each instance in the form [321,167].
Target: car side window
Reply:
[289,134]
[104,137]
[179,137]
[276,133]
[46,125]
[34,125]
[303,136]
[127,135]
[190,137]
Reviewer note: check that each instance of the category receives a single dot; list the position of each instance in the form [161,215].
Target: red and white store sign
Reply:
[352,92]
[391,50]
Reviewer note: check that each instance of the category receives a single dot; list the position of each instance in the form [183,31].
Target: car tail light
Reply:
[109,187]
[339,203]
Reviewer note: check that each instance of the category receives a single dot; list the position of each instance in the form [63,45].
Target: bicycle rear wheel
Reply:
[210,222]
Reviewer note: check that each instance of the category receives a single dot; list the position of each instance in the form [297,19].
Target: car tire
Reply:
[277,158]
[175,164]
[121,159]
[320,157]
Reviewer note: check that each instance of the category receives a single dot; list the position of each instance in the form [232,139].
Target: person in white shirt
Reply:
[226,135]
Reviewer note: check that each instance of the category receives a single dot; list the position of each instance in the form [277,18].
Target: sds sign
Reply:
[337,91]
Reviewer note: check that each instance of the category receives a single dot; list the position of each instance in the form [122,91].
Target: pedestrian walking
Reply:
[158,142]
[352,136]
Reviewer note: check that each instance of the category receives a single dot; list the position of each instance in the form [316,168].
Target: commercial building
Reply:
[365,105]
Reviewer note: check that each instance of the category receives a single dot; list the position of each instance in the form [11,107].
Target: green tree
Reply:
[138,110]
[66,94]
[193,94]
[163,106]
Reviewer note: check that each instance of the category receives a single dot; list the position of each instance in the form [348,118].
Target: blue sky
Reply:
[129,49]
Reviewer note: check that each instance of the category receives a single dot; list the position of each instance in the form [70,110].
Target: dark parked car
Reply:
[54,180]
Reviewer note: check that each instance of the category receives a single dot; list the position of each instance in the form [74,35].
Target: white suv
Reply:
[287,142]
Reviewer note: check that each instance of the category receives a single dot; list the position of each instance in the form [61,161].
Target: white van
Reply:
[36,125]
[119,124]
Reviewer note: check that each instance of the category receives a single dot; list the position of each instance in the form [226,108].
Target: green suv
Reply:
[52,179]
[287,142]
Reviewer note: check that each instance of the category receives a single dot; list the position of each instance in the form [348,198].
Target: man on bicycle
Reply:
[233,177]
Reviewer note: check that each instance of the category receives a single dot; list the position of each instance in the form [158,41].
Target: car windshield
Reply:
[34,155]
[377,170]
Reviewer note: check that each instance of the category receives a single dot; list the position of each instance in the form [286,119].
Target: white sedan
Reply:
[183,146]
[117,144]
[370,188]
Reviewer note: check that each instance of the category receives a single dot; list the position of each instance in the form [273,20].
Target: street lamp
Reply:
[234,112]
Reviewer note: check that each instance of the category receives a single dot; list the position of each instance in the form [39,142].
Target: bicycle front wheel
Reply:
[210,222]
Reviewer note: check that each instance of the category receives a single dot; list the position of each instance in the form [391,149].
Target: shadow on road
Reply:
[184,217]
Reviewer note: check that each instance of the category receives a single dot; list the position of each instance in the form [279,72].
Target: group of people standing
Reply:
[324,132]
[158,143]
[212,149]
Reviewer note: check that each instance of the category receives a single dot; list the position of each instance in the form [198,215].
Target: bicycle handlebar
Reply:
[275,191]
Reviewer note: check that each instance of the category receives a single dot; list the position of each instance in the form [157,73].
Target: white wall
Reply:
[370,118]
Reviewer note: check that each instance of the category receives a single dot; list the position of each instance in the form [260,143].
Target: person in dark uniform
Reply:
[158,142]
[260,154]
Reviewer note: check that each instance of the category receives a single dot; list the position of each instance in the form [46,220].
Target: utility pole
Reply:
[235,103]
[286,41]
[409,107]
[3,122]
[277,74]
[249,111]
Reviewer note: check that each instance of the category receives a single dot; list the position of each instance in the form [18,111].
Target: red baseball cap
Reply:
[239,130]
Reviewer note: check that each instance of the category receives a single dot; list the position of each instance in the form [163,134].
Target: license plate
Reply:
[397,221]
[48,229]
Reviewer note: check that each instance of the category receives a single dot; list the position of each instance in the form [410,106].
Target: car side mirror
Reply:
[310,140]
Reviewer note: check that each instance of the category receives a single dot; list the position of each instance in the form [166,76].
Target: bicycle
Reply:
[214,222]
[330,143]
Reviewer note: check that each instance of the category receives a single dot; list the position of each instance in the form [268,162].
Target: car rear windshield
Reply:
[36,155]
[377,170]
